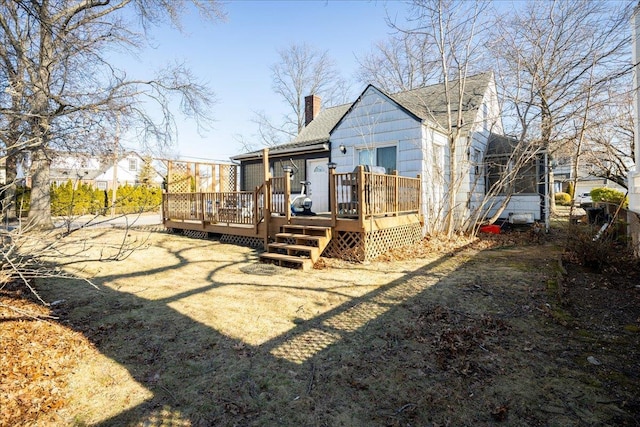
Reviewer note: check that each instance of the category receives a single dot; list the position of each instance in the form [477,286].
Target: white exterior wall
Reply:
[377,122]
[472,186]
[519,204]
[125,175]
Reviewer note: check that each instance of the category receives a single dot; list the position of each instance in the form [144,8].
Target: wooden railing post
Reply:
[267,196]
[267,212]
[420,213]
[165,206]
[255,218]
[396,198]
[361,196]
[202,208]
[333,201]
[287,195]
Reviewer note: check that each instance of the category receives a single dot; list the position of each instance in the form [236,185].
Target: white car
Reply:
[584,200]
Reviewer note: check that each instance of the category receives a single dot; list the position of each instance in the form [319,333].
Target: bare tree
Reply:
[406,61]
[454,28]
[554,58]
[610,139]
[62,92]
[301,70]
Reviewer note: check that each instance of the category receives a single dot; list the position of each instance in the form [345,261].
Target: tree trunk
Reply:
[546,129]
[40,210]
[9,189]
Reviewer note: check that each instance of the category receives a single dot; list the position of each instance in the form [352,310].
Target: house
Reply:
[405,133]
[563,173]
[129,167]
[98,171]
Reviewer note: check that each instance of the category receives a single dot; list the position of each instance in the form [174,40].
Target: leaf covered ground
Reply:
[197,333]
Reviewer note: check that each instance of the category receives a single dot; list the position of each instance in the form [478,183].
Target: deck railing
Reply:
[233,207]
[354,195]
[362,195]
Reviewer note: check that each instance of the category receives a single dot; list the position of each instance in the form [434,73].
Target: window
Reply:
[381,156]
[133,165]
[500,176]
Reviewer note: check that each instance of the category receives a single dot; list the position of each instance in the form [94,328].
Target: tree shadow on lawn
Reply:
[447,343]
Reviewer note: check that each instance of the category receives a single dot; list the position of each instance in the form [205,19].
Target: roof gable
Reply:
[382,93]
[427,103]
[430,102]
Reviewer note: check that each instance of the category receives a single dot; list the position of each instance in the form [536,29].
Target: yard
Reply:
[188,332]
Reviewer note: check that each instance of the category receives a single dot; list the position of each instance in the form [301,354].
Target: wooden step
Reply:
[286,260]
[311,230]
[301,239]
[297,246]
[295,250]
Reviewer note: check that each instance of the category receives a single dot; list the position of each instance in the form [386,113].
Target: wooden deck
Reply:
[369,213]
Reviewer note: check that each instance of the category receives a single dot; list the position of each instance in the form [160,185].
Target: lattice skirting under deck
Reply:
[252,242]
[195,234]
[346,245]
[380,241]
[352,246]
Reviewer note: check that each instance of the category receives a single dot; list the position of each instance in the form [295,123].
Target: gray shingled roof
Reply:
[315,133]
[430,102]
[426,103]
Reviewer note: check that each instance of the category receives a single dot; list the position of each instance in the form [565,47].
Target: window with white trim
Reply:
[380,156]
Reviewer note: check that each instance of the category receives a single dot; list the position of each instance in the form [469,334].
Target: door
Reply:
[318,191]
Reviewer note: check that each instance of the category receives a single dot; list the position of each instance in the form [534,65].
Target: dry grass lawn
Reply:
[198,333]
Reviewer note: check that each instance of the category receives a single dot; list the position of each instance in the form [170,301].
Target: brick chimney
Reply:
[311,108]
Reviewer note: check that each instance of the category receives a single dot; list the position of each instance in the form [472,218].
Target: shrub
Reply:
[563,199]
[65,200]
[137,199]
[609,195]
[23,201]
[571,190]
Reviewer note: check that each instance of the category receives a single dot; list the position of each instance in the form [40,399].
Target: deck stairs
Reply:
[297,246]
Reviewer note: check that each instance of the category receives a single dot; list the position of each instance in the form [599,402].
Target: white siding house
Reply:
[406,132]
[128,170]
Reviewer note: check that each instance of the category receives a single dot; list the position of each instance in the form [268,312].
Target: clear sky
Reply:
[234,58]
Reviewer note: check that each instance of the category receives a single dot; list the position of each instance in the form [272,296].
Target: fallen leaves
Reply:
[36,357]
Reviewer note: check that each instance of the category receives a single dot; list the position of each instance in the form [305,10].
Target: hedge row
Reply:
[84,199]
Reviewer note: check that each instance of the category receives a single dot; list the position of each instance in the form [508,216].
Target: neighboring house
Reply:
[128,170]
[78,168]
[403,133]
[634,173]
[563,175]
[99,171]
